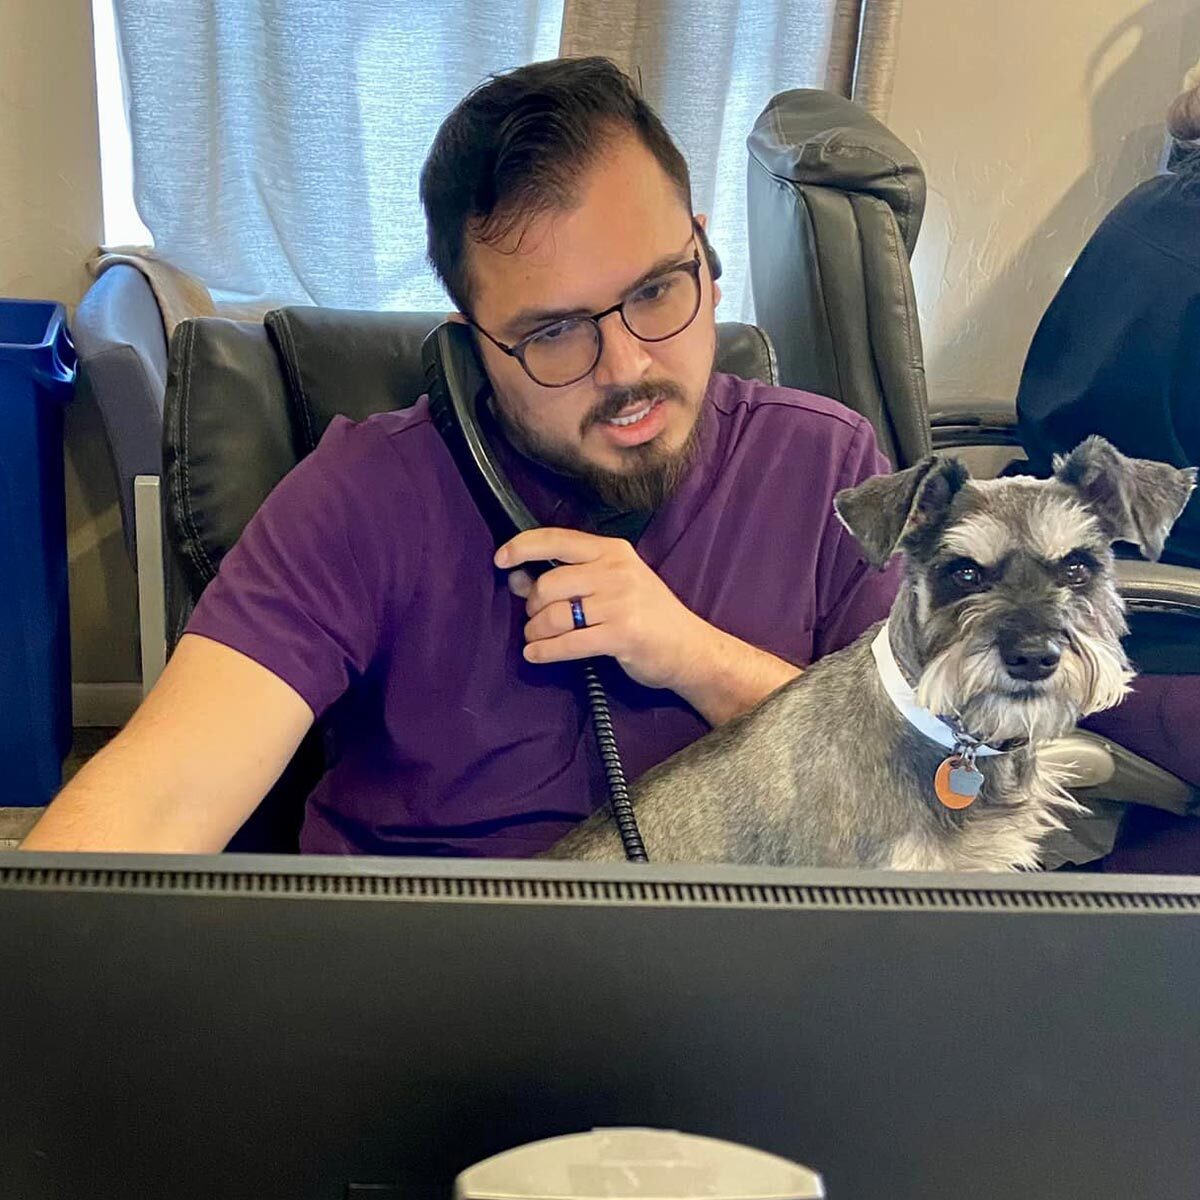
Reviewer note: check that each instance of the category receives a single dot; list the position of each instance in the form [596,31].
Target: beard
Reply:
[652,472]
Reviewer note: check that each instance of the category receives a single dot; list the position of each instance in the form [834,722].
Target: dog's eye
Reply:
[1076,573]
[967,576]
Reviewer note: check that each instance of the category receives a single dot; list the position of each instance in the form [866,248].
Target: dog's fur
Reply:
[826,772]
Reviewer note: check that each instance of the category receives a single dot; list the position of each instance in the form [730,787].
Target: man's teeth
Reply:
[633,416]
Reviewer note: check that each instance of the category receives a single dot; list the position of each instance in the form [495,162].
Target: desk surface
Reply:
[15,823]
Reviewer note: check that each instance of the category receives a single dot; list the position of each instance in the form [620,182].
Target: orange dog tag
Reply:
[956,785]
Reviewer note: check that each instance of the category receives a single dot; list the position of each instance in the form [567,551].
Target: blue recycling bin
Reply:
[37,376]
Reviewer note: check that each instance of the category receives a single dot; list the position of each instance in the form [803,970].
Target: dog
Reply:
[916,747]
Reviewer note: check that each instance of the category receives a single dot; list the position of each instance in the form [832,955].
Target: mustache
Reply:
[617,399]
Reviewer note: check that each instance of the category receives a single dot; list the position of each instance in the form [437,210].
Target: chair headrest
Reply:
[807,136]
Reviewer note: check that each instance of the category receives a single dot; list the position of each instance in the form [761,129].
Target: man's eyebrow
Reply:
[529,319]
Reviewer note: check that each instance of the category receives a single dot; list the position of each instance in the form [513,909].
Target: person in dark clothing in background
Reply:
[1118,353]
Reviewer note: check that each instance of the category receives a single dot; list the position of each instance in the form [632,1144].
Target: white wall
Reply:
[1032,118]
[50,225]
[49,162]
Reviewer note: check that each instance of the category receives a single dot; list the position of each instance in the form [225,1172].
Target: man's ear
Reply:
[888,510]
[711,258]
[1136,499]
[457,318]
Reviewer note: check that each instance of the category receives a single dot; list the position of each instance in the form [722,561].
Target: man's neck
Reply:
[611,522]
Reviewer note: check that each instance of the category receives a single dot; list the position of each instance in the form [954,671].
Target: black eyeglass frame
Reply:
[517,350]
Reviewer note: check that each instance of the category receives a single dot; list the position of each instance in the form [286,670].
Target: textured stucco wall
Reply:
[1032,118]
[50,214]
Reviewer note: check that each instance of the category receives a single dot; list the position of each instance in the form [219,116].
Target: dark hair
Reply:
[1183,117]
[517,146]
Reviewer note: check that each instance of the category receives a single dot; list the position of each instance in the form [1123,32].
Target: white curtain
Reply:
[862,52]
[277,144]
[709,69]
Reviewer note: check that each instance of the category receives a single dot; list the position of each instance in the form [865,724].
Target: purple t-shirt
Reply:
[366,583]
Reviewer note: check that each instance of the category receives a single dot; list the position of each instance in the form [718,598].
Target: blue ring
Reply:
[577,616]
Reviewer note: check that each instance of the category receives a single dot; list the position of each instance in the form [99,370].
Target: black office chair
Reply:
[246,402]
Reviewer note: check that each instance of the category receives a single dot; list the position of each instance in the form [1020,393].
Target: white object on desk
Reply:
[633,1164]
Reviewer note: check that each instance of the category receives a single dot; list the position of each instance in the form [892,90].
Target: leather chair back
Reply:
[835,204]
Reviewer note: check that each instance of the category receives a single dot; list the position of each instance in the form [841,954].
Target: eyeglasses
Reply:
[564,353]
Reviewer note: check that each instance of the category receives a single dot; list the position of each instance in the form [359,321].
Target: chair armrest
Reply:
[956,423]
[1105,778]
[1159,587]
[1096,768]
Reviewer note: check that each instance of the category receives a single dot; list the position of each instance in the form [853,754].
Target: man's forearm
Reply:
[118,802]
[728,677]
[188,769]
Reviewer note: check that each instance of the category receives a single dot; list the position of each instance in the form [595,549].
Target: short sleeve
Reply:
[852,595]
[308,587]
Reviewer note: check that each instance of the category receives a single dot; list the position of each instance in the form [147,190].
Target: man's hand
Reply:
[631,614]
[634,617]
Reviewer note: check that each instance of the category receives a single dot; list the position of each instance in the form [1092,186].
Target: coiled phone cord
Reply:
[456,390]
[618,789]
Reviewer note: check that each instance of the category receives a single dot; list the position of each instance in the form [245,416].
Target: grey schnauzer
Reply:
[917,746]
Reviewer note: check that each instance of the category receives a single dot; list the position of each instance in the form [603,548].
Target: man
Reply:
[364,594]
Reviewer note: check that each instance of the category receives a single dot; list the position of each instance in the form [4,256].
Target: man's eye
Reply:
[554,333]
[654,291]
[968,577]
[1076,573]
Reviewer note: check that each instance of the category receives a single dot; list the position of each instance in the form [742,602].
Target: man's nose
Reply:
[624,360]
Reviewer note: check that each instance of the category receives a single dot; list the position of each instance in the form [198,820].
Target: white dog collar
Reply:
[905,700]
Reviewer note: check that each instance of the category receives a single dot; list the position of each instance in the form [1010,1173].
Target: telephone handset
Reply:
[457,386]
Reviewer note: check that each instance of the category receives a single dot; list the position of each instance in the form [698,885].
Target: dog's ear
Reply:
[1136,499]
[887,510]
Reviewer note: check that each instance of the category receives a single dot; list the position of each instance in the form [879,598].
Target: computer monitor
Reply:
[288,1029]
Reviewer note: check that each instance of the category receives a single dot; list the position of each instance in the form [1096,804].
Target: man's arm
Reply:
[727,677]
[194,761]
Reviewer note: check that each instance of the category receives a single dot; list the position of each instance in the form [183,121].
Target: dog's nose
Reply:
[1030,658]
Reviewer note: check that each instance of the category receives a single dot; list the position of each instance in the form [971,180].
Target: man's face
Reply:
[629,220]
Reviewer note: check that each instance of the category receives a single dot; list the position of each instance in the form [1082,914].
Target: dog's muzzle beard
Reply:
[966,678]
